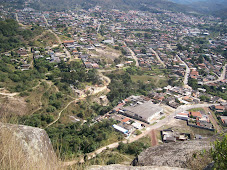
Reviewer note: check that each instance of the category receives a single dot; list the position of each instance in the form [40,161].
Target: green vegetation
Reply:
[213,90]
[163,117]
[134,148]
[122,86]
[16,80]
[75,139]
[13,36]
[37,120]
[196,110]
[137,132]
[219,153]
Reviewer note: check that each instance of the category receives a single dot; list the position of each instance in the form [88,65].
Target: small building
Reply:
[195,114]
[182,116]
[137,125]
[120,129]
[125,120]
[68,42]
[25,67]
[219,108]
[224,119]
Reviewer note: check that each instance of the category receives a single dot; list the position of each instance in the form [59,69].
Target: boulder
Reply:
[26,147]
[174,154]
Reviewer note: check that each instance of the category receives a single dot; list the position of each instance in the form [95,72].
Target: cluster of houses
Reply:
[196,119]
[166,34]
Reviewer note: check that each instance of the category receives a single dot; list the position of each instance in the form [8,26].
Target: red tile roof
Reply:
[125,120]
[196,114]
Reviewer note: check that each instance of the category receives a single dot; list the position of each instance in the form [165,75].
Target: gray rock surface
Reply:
[34,142]
[171,154]
[125,167]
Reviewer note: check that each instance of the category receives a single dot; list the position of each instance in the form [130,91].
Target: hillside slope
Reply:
[118,4]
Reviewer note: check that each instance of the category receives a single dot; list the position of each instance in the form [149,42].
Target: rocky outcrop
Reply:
[125,167]
[171,154]
[27,144]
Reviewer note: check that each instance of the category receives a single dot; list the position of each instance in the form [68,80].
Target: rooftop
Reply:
[144,110]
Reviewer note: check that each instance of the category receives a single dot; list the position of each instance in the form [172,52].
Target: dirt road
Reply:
[153,137]
[213,120]
[96,91]
[187,71]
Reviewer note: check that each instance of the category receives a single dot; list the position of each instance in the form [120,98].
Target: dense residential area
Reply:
[106,84]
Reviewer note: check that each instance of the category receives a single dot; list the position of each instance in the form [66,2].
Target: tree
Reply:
[219,153]
[144,51]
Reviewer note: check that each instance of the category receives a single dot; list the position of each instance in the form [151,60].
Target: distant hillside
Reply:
[221,13]
[210,5]
[117,4]
[186,1]
[217,8]
[19,4]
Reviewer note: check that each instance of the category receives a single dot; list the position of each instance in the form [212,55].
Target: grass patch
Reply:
[196,110]
[143,78]
[202,132]
[156,80]
[153,123]
[163,117]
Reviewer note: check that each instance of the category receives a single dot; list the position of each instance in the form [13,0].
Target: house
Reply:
[22,52]
[224,119]
[125,120]
[68,42]
[195,114]
[120,65]
[168,136]
[194,74]
[126,126]
[219,109]
[25,67]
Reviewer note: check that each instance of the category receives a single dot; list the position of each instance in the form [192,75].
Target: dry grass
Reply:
[13,156]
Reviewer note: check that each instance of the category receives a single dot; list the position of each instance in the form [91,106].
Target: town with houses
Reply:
[189,55]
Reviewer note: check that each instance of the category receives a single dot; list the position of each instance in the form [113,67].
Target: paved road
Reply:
[183,108]
[222,77]
[99,27]
[46,21]
[187,72]
[157,56]
[134,56]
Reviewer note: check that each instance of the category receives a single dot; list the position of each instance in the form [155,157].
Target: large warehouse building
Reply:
[144,111]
